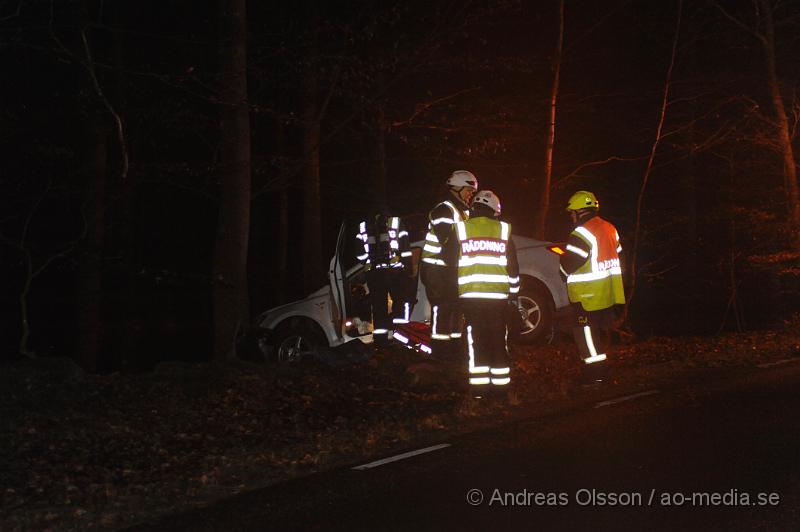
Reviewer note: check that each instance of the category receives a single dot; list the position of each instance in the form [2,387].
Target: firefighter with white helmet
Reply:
[438,271]
[488,280]
[593,272]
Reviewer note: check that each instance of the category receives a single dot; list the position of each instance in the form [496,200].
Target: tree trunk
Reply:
[784,136]
[282,265]
[544,191]
[25,334]
[312,218]
[690,262]
[283,245]
[89,271]
[378,179]
[648,169]
[123,308]
[688,197]
[231,305]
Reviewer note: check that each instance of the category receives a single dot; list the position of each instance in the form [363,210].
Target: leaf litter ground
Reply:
[104,452]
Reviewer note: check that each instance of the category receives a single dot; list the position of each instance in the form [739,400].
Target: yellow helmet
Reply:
[583,199]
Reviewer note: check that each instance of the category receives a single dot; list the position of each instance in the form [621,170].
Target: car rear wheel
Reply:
[538,326]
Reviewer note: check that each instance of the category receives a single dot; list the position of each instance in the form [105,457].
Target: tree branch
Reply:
[421,53]
[560,182]
[110,108]
[739,23]
[646,178]
[15,14]
[24,235]
[421,108]
[88,65]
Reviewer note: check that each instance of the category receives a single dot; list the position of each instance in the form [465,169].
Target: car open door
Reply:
[350,310]
[336,277]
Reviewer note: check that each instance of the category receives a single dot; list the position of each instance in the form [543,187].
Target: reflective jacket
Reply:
[487,260]
[592,265]
[384,243]
[441,221]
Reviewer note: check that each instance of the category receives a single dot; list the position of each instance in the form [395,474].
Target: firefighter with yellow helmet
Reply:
[593,272]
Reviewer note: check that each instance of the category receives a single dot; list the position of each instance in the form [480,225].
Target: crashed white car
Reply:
[339,312]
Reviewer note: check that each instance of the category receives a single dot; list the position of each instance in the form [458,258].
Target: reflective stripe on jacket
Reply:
[597,283]
[441,220]
[384,243]
[483,259]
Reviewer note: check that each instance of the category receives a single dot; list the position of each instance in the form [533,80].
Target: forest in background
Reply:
[170,169]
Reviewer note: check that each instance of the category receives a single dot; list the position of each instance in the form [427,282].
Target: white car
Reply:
[339,312]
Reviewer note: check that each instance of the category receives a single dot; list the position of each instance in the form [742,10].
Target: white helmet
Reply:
[463,178]
[488,198]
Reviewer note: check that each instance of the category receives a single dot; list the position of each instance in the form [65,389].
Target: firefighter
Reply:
[592,269]
[437,271]
[384,249]
[488,282]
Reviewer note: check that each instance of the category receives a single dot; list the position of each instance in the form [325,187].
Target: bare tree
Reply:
[379,174]
[34,265]
[763,31]
[310,184]
[544,190]
[648,169]
[231,303]
[314,107]
[90,278]
[93,210]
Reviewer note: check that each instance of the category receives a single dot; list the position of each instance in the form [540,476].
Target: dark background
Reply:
[461,85]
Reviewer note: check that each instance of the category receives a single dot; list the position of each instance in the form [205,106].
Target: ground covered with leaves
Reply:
[82,451]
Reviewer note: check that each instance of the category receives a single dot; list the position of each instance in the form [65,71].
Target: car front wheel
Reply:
[295,342]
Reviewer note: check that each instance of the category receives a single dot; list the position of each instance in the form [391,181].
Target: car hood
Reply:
[321,292]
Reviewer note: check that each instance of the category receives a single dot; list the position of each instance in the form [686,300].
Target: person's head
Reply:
[381,208]
[486,203]
[462,184]
[581,205]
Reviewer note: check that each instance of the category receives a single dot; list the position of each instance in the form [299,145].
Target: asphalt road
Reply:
[719,455]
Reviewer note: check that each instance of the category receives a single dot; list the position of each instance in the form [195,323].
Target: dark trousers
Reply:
[383,282]
[489,364]
[592,334]
[441,287]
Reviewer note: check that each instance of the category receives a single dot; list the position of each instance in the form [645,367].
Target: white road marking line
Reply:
[403,456]
[624,398]
[778,362]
